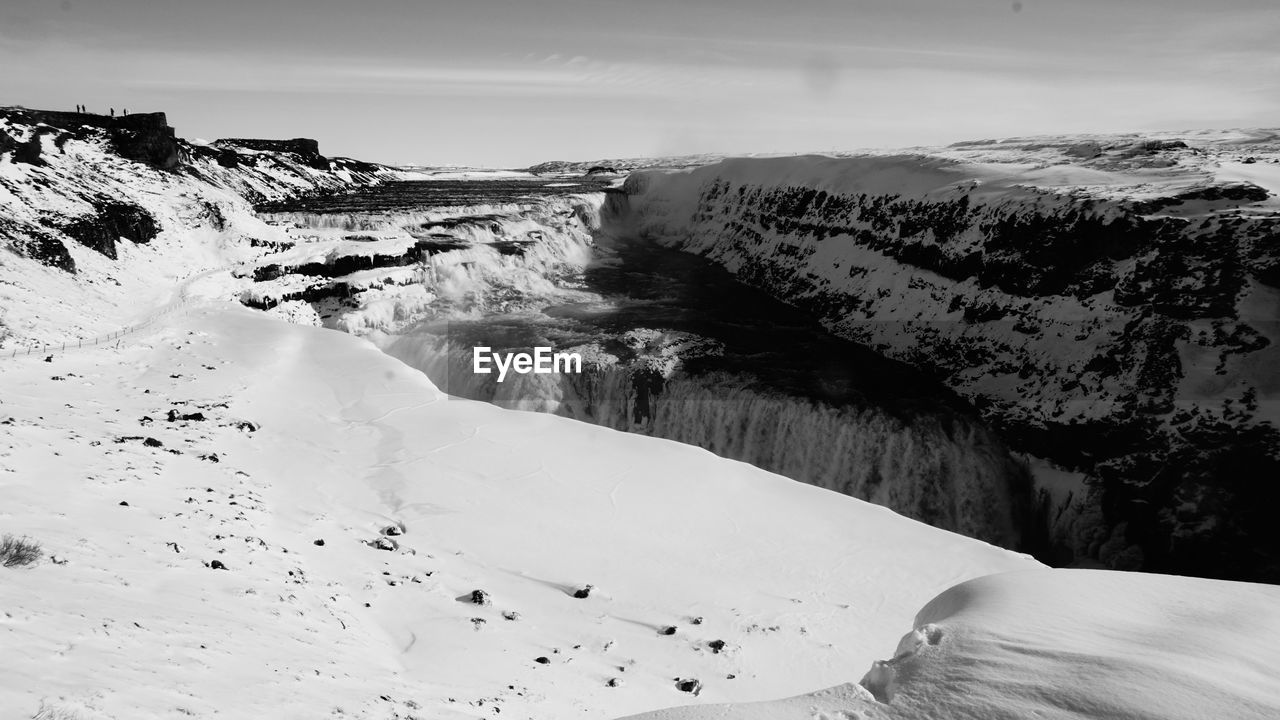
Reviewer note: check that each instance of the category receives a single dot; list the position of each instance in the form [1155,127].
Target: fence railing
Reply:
[169,308]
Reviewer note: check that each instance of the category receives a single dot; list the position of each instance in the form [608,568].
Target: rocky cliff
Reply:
[130,208]
[1110,304]
[51,153]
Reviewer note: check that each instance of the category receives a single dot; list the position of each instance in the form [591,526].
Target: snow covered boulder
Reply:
[1062,645]
[1088,643]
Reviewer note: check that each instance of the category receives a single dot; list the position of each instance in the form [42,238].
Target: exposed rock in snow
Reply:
[1112,311]
[134,213]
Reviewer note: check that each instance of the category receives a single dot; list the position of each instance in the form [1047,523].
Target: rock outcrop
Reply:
[91,167]
[143,137]
[306,149]
[1118,322]
[110,222]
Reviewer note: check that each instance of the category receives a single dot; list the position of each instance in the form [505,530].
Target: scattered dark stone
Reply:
[393,530]
[542,660]
[48,358]
[145,420]
[730,676]
[716,646]
[175,416]
[246,426]
[319,543]
[696,621]
[211,457]
[217,565]
[511,615]
[480,597]
[152,442]
[384,544]
[668,630]
[124,504]
[614,682]
[583,592]
[690,686]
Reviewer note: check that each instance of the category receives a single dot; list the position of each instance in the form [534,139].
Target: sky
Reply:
[508,83]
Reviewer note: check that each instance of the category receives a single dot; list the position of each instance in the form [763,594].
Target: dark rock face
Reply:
[345,264]
[146,138]
[27,151]
[306,149]
[1076,326]
[112,221]
[299,146]
[37,244]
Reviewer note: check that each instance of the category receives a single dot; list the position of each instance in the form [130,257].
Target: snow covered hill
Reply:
[244,517]
[125,212]
[1110,303]
[354,509]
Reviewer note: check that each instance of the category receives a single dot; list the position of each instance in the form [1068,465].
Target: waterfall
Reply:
[945,470]
[937,466]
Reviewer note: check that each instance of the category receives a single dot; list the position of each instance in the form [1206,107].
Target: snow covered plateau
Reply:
[248,505]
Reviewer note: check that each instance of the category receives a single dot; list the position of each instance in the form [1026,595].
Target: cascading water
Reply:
[938,467]
[674,347]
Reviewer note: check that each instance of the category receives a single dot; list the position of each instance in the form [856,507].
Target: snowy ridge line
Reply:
[182,302]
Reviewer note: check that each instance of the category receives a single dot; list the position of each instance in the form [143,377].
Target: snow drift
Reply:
[1063,645]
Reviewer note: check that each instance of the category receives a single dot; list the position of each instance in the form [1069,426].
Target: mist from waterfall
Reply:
[940,468]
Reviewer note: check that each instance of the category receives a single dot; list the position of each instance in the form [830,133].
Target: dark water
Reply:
[772,345]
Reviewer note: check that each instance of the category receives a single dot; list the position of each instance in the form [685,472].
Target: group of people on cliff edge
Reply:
[81,109]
